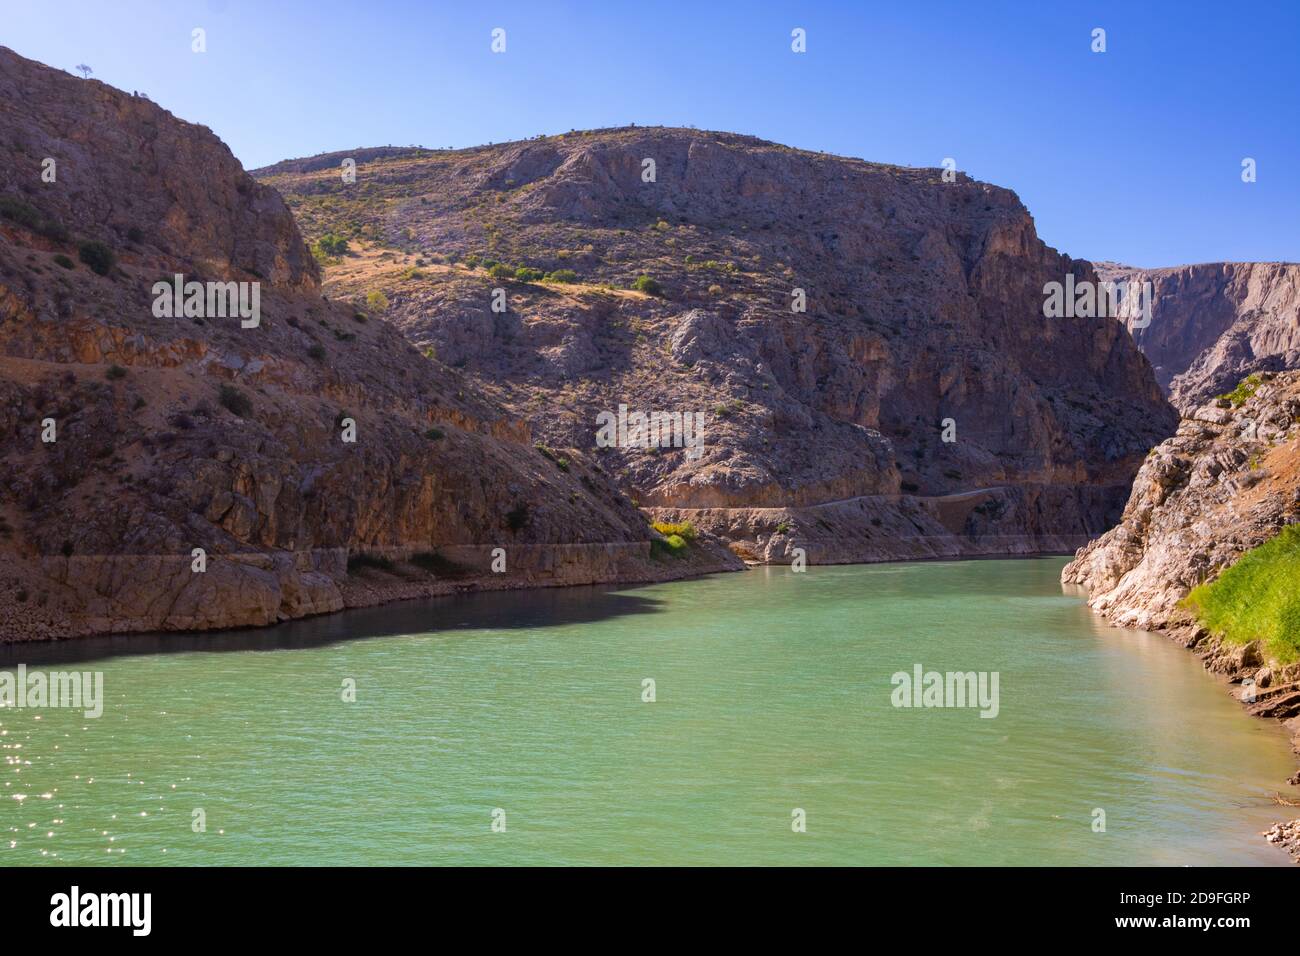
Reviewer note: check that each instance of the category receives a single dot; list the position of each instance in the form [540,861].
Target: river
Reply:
[516,728]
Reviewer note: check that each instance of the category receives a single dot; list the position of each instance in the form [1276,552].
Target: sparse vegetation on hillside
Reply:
[17,211]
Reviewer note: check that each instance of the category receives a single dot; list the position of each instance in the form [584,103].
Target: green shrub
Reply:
[376,301]
[501,271]
[316,352]
[15,210]
[681,529]
[97,256]
[115,372]
[235,401]
[332,245]
[528,274]
[1256,599]
[562,275]
[1244,390]
[433,434]
[647,285]
[64,261]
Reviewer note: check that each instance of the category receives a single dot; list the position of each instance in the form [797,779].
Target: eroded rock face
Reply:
[1225,483]
[176,434]
[1213,324]
[924,303]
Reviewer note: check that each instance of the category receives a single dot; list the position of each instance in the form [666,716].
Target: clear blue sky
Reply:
[1133,154]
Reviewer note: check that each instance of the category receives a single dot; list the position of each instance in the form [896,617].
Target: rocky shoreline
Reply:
[1274,694]
[1228,481]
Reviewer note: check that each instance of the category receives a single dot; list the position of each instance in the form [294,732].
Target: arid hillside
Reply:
[311,455]
[867,342]
[1213,324]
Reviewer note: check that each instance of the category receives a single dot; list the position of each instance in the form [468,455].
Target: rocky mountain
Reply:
[866,342]
[196,467]
[1213,324]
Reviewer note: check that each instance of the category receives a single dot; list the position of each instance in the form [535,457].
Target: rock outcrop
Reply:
[1226,482]
[1213,324]
[919,404]
[196,471]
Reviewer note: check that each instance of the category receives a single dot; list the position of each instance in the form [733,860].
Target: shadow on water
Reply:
[483,610]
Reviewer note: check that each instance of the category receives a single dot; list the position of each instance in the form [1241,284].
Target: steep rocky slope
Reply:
[1226,482]
[825,428]
[130,440]
[1213,324]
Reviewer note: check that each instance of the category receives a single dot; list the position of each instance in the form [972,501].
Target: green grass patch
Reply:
[1256,598]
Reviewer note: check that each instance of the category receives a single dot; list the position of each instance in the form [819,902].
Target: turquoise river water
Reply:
[772,695]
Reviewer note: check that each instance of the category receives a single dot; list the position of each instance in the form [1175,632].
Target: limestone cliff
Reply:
[129,440]
[918,405]
[1211,325]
